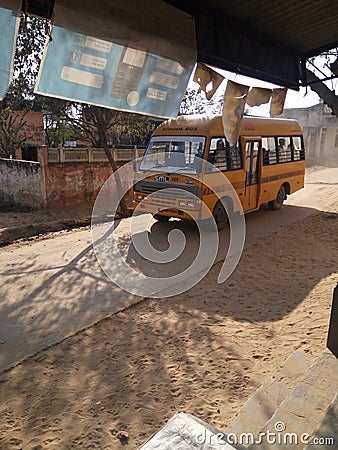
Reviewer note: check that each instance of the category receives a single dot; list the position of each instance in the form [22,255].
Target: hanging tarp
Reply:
[208,79]
[277,101]
[233,110]
[9,25]
[83,68]
[258,96]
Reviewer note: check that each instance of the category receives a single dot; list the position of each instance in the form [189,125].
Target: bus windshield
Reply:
[174,154]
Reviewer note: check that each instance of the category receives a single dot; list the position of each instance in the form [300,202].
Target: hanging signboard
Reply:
[83,68]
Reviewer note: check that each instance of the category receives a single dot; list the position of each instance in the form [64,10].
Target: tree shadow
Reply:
[138,367]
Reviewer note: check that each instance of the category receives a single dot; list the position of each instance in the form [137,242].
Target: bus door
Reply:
[252,151]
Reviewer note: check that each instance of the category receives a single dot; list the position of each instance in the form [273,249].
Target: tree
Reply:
[98,123]
[86,119]
[193,102]
[12,132]
[60,116]
[57,127]
[20,96]
[29,48]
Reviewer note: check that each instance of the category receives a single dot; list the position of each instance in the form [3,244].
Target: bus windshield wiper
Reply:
[154,166]
[183,168]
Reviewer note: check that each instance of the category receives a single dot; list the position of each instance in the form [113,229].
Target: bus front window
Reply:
[174,154]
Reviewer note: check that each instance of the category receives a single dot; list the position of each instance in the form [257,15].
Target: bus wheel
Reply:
[278,203]
[161,218]
[220,215]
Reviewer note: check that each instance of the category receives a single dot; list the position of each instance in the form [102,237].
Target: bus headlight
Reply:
[182,203]
[191,204]
[139,197]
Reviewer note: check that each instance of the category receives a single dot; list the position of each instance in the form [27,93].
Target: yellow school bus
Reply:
[266,165]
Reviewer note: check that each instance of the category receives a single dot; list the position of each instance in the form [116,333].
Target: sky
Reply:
[303,98]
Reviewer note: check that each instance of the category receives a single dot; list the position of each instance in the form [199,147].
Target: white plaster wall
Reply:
[21,183]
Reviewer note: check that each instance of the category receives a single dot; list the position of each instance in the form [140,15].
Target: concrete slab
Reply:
[326,435]
[300,413]
[261,406]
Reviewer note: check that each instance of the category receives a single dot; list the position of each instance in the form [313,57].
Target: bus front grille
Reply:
[167,190]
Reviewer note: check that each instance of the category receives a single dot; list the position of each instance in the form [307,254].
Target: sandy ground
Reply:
[23,223]
[203,352]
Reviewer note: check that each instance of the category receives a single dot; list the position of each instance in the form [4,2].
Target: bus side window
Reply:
[298,152]
[220,154]
[217,154]
[269,156]
[265,156]
[235,157]
[223,155]
[284,149]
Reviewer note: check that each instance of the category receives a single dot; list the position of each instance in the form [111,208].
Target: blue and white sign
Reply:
[86,69]
[9,24]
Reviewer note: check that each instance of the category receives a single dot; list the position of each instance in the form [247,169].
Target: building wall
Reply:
[62,177]
[320,129]
[32,129]
[75,176]
[20,183]
[33,133]
[73,184]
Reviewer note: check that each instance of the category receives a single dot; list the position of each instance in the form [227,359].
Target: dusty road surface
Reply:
[204,351]
[55,287]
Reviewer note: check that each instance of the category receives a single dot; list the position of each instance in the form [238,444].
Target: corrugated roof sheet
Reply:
[304,25]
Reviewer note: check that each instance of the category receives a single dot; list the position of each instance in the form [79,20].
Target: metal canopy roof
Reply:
[265,39]
[306,27]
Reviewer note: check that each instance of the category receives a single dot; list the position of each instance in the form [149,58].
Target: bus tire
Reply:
[161,218]
[278,202]
[220,215]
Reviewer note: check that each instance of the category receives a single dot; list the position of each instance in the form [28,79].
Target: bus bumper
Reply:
[178,211]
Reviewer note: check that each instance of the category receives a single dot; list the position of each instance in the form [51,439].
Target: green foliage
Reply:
[29,48]
[194,102]
[57,128]
[102,125]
